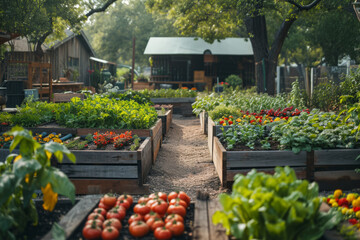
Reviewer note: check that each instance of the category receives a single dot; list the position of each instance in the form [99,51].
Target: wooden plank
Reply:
[335,157]
[49,128]
[156,141]
[219,160]
[230,174]
[168,121]
[273,158]
[163,122]
[103,157]
[350,175]
[310,166]
[216,232]
[99,171]
[201,224]
[72,220]
[102,186]
[210,136]
[206,117]
[145,159]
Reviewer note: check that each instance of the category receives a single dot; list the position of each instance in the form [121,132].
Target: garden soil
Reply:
[184,162]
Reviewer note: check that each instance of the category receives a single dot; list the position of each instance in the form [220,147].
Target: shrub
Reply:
[234,81]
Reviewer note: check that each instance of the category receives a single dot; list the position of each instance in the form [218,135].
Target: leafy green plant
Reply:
[5,118]
[223,110]
[279,206]
[295,95]
[169,93]
[100,112]
[24,173]
[130,95]
[326,97]
[234,81]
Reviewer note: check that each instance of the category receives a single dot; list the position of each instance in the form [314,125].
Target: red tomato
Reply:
[110,233]
[139,229]
[112,222]
[109,200]
[143,200]
[127,197]
[163,196]
[151,214]
[91,232]
[152,196]
[153,223]
[159,207]
[116,213]
[101,211]
[179,201]
[162,233]
[175,227]
[124,203]
[141,209]
[172,195]
[151,201]
[102,205]
[135,217]
[178,209]
[183,196]
[96,216]
[173,217]
[97,222]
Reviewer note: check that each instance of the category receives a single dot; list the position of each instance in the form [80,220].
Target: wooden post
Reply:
[133,64]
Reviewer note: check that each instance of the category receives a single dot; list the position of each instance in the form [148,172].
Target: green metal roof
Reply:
[190,46]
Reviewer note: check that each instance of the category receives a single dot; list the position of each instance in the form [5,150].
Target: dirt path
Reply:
[184,161]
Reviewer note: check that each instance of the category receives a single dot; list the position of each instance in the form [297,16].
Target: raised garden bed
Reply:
[100,171]
[331,168]
[204,122]
[212,131]
[204,229]
[166,121]
[74,221]
[180,105]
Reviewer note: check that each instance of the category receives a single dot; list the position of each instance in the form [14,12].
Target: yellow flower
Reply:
[337,193]
[344,210]
[46,139]
[356,203]
[18,157]
[58,140]
[50,198]
[277,119]
[357,214]
[238,120]
[335,204]
[224,124]
[350,197]
[332,201]
[350,211]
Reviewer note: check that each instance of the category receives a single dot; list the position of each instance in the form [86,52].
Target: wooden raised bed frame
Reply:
[330,168]
[204,122]
[180,105]
[166,121]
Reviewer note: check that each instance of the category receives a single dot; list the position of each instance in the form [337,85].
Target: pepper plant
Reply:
[24,173]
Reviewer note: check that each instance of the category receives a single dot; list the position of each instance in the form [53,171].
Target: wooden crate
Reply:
[166,121]
[204,229]
[335,168]
[230,163]
[100,171]
[199,76]
[204,121]
[180,105]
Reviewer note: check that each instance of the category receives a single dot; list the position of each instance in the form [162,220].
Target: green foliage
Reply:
[19,179]
[279,206]
[206,102]
[32,114]
[326,96]
[5,117]
[295,95]
[169,93]
[98,112]
[234,81]
[223,110]
[139,97]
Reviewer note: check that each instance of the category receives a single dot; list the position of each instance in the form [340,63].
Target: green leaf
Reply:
[25,166]
[60,183]
[57,232]
[6,222]
[58,150]
[8,183]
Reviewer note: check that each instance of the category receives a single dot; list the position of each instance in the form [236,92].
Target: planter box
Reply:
[230,163]
[330,168]
[102,171]
[180,105]
[166,120]
[204,122]
[155,133]
[212,131]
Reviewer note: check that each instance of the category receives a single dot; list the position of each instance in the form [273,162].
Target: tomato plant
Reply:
[139,229]
[110,233]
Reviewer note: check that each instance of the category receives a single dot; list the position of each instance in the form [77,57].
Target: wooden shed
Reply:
[70,58]
[189,61]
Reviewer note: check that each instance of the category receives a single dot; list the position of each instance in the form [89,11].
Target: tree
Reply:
[217,19]
[37,19]
[111,33]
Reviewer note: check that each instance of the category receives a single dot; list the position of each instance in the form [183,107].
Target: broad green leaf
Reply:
[7,186]
[6,221]
[25,166]
[57,232]
[58,150]
[60,183]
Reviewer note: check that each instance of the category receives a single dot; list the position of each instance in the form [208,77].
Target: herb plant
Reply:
[279,206]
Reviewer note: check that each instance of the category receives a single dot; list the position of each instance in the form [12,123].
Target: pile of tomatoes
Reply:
[159,213]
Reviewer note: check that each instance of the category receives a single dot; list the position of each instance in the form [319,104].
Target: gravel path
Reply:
[184,161]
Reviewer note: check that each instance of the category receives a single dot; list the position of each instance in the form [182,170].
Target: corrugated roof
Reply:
[188,45]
